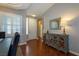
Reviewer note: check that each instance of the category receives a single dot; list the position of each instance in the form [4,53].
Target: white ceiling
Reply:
[37,9]
[16,6]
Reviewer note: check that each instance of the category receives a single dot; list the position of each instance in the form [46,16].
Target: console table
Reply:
[58,41]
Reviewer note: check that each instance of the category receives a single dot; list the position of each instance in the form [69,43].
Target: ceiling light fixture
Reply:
[33,15]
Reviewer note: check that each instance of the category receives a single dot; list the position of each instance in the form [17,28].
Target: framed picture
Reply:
[55,24]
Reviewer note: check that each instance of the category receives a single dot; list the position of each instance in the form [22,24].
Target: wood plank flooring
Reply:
[38,48]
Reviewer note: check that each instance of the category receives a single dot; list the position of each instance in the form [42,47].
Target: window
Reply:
[27,25]
[7,24]
[16,25]
[12,24]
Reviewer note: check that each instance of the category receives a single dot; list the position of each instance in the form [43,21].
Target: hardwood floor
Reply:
[38,48]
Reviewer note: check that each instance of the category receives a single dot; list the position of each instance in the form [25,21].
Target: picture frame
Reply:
[55,24]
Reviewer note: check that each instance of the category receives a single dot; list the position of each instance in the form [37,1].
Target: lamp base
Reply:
[64,31]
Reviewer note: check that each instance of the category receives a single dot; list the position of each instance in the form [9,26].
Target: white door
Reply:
[32,28]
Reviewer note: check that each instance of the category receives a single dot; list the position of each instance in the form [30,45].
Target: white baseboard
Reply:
[32,39]
[22,43]
[73,52]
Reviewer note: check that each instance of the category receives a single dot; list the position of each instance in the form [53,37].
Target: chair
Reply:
[2,34]
[13,47]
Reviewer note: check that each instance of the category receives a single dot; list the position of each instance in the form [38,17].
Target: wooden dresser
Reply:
[58,41]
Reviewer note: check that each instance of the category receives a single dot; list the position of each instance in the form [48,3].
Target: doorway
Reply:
[39,28]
